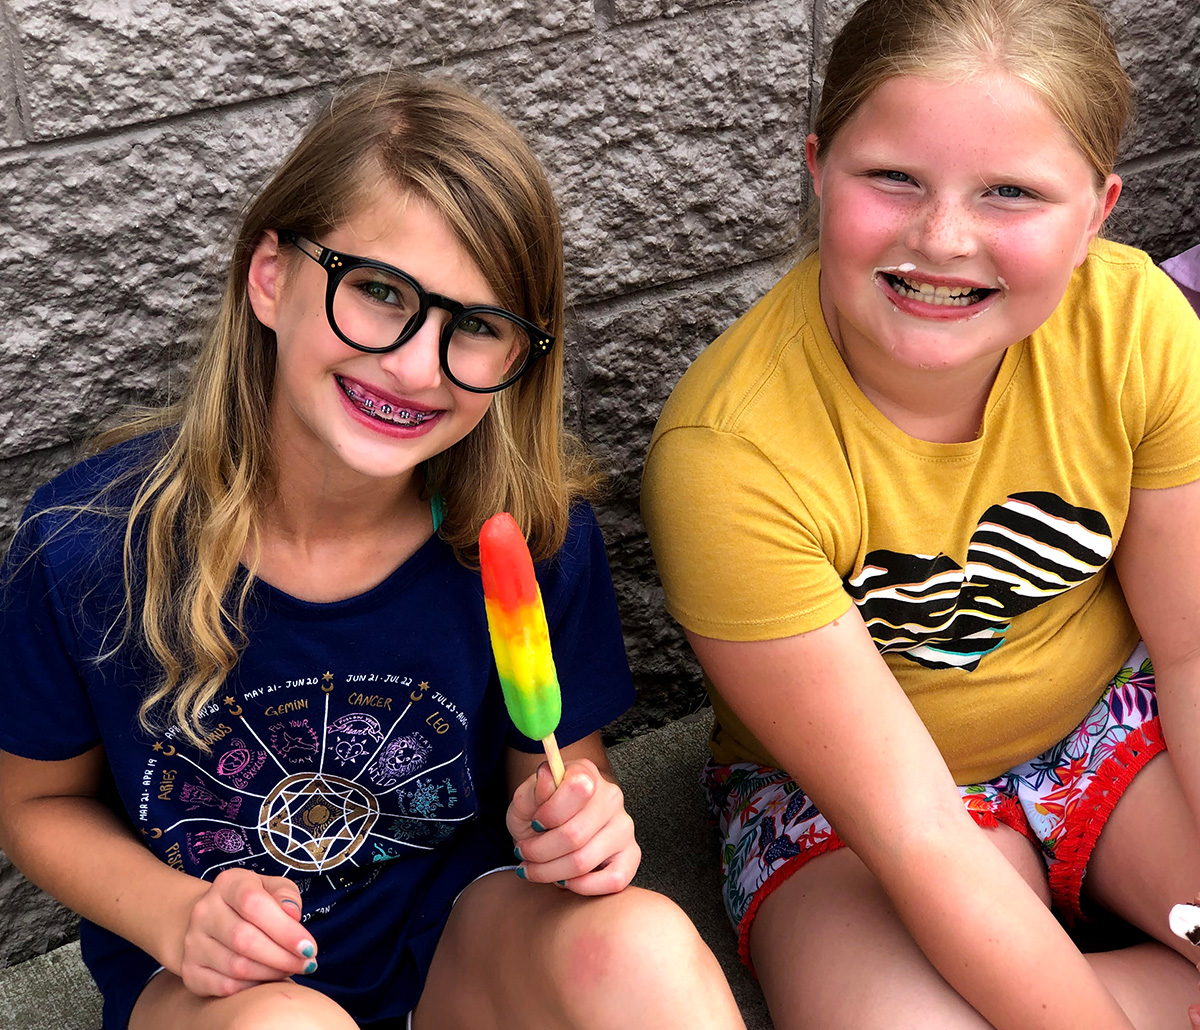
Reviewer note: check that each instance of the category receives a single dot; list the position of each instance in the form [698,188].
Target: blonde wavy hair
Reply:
[1061,49]
[197,511]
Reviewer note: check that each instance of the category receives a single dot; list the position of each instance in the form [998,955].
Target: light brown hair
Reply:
[200,502]
[1060,49]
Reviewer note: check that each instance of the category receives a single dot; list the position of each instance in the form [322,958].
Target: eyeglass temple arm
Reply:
[302,244]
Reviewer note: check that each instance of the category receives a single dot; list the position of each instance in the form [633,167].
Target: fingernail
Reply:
[291,901]
[310,968]
[307,949]
[538,827]
[561,883]
[517,852]
[521,871]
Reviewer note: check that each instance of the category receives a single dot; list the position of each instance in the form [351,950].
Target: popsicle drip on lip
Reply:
[517,626]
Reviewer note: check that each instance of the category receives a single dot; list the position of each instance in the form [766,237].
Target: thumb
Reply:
[287,894]
[544,787]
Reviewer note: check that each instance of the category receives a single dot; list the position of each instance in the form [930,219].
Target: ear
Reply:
[264,283]
[811,146]
[1108,200]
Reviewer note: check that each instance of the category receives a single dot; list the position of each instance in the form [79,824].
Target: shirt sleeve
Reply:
[48,715]
[1168,453]
[585,635]
[739,554]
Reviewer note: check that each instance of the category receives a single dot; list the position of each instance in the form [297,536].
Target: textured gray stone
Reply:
[623,11]
[32,922]
[682,150]
[112,258]
[635,351]
[1159,209]
[94,64]
[1159,44]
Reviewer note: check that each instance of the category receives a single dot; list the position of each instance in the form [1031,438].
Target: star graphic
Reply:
[423,685]
[327,677]
[157,746]
[229,700]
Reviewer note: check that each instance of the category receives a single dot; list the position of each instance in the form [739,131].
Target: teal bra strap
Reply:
[438,507]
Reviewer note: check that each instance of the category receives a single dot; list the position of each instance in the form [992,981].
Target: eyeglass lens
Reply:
[375,308]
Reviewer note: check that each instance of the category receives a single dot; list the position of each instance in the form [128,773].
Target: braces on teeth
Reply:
[385,412]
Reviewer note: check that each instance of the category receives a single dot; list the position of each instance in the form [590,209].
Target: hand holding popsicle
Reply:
[520,636]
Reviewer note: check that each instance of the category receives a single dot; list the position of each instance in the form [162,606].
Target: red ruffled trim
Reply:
[1074,847]
[1007,812]
[831,843]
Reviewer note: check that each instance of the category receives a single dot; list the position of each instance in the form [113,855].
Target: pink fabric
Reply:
[1185,270]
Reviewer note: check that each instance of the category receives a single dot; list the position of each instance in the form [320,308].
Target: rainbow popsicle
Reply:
[520,637]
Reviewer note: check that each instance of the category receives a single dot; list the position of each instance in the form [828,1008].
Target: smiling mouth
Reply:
[381,410]
[941,296]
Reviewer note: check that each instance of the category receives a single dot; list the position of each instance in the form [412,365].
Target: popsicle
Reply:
[520,637]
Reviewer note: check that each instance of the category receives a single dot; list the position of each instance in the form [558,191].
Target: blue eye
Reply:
[1009,192]
[893,176]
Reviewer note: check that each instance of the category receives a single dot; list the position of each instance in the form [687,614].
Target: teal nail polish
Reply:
[538,826]
[310,968]
[307,950]
[517,852]
[521,871]
[562,883]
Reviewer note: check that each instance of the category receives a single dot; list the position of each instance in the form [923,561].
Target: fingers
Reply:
[587,843]
[245,930]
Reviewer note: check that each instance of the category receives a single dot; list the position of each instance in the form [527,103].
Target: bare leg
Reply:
[275,1006]
[532,956]
[1146,860]
[831,952]
[1148,855]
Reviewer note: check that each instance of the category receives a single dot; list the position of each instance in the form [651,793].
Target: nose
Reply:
[942,231]
[416,364]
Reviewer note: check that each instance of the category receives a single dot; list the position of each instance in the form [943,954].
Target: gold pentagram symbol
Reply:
[315,821]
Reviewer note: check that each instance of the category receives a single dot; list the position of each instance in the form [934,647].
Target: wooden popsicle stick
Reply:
[557,769]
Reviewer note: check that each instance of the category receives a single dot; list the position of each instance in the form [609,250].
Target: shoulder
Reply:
[1116,280]
[728,376]
[82,512]
[112,476]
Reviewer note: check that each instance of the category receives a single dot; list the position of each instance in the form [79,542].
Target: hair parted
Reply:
[201,501]
[1060,49]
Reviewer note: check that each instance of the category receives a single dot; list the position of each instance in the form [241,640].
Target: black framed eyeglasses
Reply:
[376,308]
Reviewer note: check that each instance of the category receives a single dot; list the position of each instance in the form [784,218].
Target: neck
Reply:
[314,501]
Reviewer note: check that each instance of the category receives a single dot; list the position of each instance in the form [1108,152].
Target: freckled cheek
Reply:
[1032,262]
[861,231]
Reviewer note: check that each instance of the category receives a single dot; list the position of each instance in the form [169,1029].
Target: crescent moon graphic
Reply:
[235,711]
[156,833]
[169,750]
[327,689]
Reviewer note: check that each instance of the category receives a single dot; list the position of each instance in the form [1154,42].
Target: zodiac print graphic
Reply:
[321,792]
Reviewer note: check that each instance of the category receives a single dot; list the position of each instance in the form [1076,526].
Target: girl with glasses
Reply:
[929,514]
[261,745]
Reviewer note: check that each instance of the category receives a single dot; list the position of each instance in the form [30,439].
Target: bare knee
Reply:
[268,1006]
[636,935]
[288,1006]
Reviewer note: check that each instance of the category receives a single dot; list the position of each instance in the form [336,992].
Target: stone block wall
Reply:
[131,132]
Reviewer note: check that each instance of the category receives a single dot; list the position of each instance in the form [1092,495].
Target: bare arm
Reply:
[828,708]
[65,840]
[1158,562]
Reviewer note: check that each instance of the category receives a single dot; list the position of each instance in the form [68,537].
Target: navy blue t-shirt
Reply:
[356,748]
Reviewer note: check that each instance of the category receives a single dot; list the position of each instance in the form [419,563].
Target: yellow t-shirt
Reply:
[776,495]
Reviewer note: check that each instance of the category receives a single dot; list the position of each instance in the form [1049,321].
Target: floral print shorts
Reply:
[1060,800]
